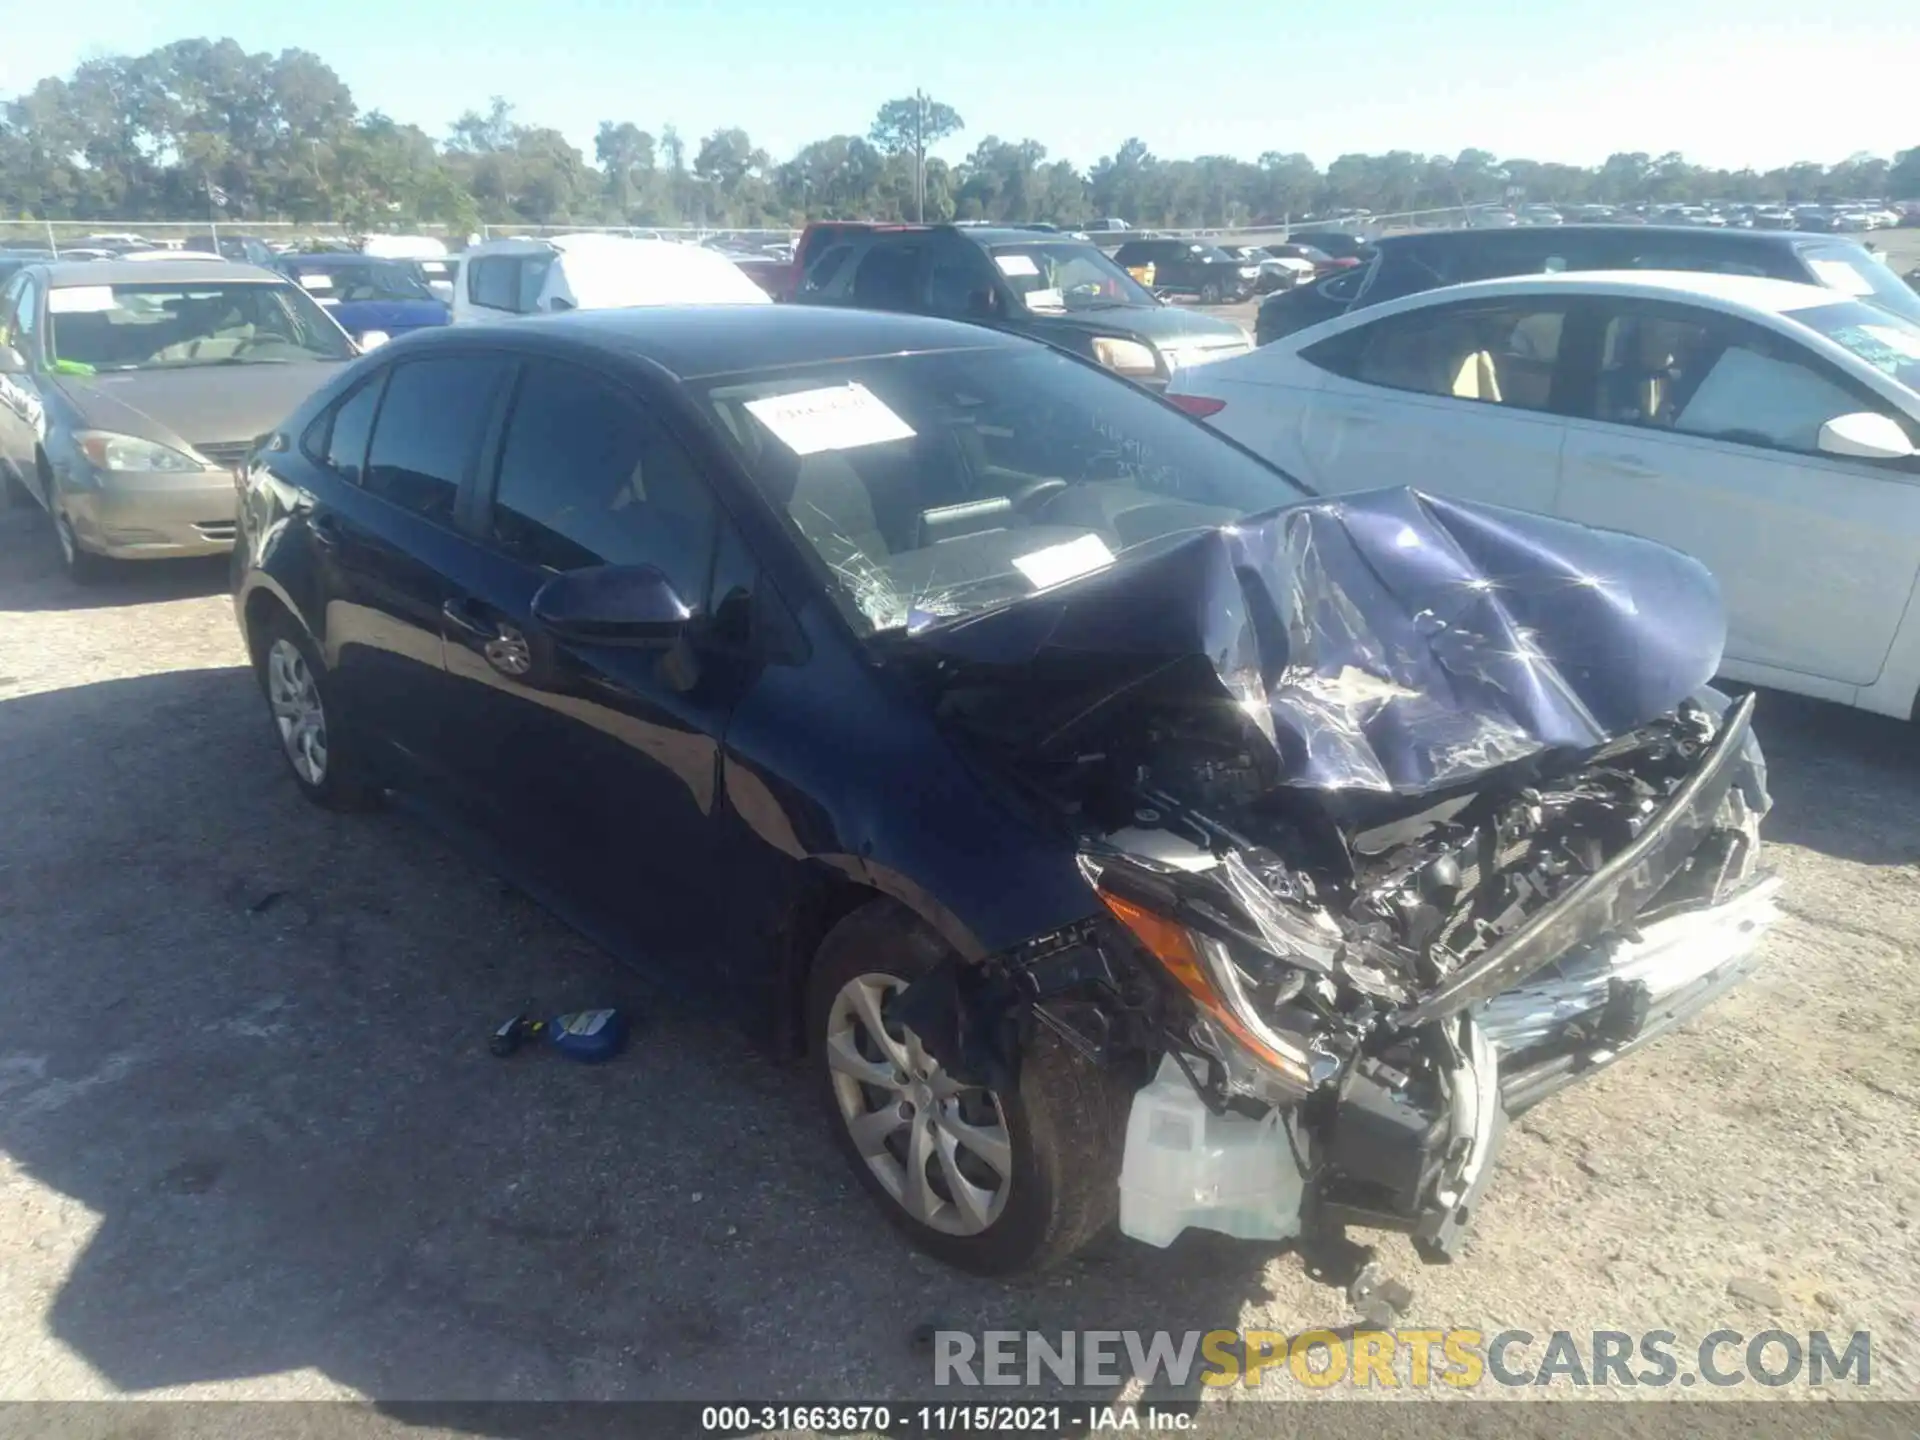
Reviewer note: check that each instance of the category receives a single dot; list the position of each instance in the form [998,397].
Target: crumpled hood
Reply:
[1390,640]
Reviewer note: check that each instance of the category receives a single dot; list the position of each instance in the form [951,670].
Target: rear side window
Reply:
[342,442]
[589,476]
[1496,354]
[429,431]
[884,280]
[508,282]
[825,266]
[491,281]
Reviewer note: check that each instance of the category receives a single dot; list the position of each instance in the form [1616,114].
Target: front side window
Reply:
[1697,374]
[25,318]
[590,477]
[1498,354]
[933,485]
[429,431]
[163,326]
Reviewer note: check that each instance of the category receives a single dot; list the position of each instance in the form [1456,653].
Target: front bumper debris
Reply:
[1608,999]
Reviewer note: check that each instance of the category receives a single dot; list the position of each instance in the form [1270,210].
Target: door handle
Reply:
[1628,465]
[460,613]
[323,527]
[1348,416]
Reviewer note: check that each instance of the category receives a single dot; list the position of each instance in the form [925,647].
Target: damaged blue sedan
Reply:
[1119,832]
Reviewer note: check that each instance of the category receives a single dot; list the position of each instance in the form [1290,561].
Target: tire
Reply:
[1210,293]
[1064,1128]
[314,736]
[83,567]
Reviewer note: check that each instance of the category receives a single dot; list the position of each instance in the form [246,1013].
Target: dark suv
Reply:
[1410,264]
[1187,267]
[1053,288]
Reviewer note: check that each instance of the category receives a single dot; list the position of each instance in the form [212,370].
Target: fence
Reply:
[70,234]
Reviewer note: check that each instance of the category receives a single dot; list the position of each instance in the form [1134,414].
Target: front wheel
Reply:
[83,567]
[990,1183]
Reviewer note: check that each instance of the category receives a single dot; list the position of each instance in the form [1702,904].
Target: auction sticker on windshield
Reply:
[80,300]
[1016,264]
[838,417]
[1058,563]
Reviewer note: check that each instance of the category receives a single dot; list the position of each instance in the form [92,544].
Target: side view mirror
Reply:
[1865,435]
[981,304]
[12,362]
[613,605]
[559,304]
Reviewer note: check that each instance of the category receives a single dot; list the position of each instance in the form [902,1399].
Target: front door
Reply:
[1456,399]
[600,763]
[1702,436]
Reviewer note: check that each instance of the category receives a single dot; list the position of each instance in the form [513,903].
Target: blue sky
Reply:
[1727,82]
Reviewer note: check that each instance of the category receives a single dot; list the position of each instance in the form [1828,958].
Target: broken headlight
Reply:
[1205,968]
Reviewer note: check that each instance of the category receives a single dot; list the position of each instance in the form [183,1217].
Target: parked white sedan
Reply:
[1767,428]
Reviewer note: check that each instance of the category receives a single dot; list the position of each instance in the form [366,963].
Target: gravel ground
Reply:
[251,1143]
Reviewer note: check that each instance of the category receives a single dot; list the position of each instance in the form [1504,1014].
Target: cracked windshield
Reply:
[934,485]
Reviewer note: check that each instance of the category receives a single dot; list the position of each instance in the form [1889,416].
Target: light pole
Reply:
[919,156]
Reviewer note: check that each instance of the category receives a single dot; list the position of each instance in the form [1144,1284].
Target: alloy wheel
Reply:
[297,712]
[940,1148]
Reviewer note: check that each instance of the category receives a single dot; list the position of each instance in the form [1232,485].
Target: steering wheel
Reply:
[1034,496]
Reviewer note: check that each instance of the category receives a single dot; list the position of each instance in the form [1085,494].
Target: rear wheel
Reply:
[1210,293]
[992,1183]
[315,741]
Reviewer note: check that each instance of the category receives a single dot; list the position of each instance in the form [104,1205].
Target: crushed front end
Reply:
[1401,814]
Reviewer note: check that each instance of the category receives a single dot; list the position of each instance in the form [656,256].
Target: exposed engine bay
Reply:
[1351,930]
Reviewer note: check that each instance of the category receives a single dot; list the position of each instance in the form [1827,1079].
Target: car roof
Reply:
[1468,235]
[699,341]
[1758,292]
[151,272]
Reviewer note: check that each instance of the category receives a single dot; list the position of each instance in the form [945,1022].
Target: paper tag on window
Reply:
[1016,264]
[1841,276]
[80,300]
[1059,563]
[839,417]
[1044,300]
[316,282]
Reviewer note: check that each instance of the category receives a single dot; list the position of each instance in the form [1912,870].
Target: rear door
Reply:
[405,442]
[596,764]
[1699,430]
[1459,399]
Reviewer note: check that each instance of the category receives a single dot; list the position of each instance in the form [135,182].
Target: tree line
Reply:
[202,127]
